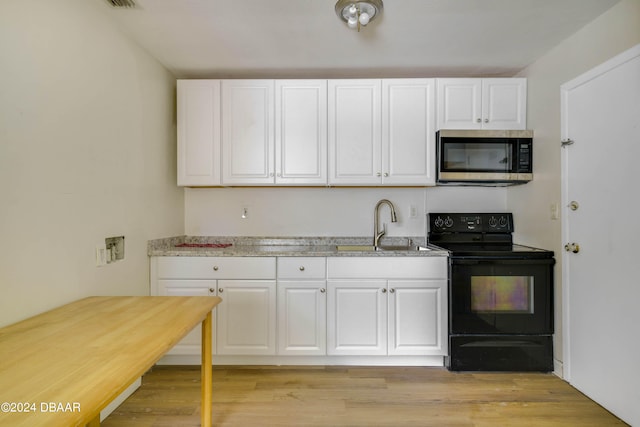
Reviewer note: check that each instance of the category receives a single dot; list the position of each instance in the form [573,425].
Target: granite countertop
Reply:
[288,246]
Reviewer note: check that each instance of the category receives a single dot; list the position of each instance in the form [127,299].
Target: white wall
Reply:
[87,151]
[612,33]
[325,211]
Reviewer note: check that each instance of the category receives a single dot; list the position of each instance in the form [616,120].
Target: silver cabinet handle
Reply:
[486,120]
[386,174]
[212,290]
[479,120]
[221,290]
[323,290]
[392,290]
[215,268]
[302,268]
[384,290]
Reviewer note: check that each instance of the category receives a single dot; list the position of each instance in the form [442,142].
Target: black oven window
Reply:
[502,294]
[477,157]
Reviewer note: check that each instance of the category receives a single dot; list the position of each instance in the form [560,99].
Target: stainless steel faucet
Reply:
[377,235]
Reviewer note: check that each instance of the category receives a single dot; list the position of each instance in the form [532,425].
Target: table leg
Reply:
[206,373]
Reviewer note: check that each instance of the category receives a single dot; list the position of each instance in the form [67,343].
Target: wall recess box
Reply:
[115,248]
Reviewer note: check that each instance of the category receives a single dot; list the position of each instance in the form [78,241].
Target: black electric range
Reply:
[500,294]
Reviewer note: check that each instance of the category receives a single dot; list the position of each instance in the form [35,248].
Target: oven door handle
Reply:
[502,261]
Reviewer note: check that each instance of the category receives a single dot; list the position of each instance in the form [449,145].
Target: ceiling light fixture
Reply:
[358,13]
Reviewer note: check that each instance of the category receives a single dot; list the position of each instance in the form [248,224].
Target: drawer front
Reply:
[301,268]
[387,267]
[216,267]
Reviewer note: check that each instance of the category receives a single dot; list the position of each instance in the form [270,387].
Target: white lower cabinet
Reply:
[357,317]
[417,317]
[274,308]
[247,319]
[302,306]
[404,313]
[245,323]
[191,288]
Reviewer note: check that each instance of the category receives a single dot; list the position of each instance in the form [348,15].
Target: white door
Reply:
[418,317]
[408,132]
[357,317]
[601,114]
[459,103]
[191,343]
[248,132]
[247,319]
[355,132]
[302,317]
[504,103]
[301,132]
[198,132]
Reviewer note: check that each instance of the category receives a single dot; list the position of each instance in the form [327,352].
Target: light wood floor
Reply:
[358,396]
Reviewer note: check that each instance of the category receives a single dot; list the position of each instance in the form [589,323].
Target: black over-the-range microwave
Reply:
[484,157]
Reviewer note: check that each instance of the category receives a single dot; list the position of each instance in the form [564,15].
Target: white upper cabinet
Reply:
[498,103]
[408,132]
[381,132]
[274,132]
[355,134]
[301,132]
[198,132]
[248,132]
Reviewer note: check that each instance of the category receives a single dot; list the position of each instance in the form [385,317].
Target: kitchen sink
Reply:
[371,248]
[356,248]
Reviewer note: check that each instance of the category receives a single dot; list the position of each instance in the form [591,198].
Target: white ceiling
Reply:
[305,38]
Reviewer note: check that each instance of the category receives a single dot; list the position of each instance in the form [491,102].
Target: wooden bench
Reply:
[62,367]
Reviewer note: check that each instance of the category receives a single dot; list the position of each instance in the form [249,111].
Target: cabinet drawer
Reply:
[387,267]
[301,268]
[216,267]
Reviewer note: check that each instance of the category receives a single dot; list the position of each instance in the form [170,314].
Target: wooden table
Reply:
[62,367]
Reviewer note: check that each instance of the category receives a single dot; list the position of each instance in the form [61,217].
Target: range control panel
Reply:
[470,222]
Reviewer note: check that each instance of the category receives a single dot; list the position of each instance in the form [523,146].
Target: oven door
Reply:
[501,296]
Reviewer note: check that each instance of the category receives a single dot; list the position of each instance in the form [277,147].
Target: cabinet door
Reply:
[198,132]
[355,132]
[247,317]
[459,103]
[302,317]
[247,132]
[357,317]
[504,103]
[191,343]
[418,317]
[301,132]
[408,132]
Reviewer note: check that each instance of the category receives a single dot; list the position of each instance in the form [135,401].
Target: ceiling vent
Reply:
[121,3]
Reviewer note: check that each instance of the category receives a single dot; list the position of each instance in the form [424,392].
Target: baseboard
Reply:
[308,360]
[558,368]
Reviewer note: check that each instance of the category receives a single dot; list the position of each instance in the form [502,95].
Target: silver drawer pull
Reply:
[215,268]
[302,268]
[323,290]
[221,290]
